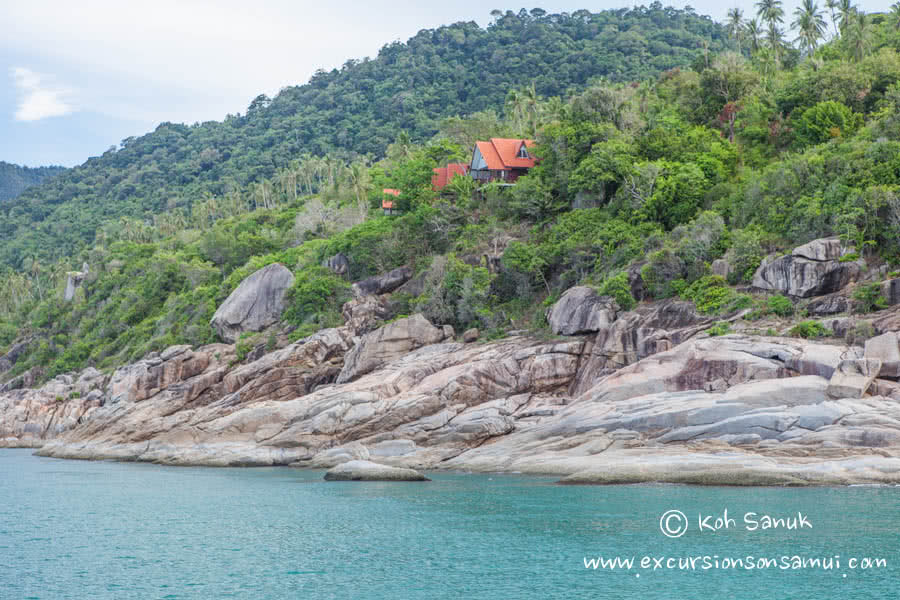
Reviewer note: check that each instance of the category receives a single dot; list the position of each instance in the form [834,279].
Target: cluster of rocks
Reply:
[624,396]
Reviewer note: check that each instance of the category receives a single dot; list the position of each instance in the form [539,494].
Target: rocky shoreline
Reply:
[627,397]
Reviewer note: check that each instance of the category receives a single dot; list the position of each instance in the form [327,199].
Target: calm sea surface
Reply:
[71,529]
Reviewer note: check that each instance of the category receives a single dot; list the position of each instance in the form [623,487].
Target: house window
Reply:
[523,153]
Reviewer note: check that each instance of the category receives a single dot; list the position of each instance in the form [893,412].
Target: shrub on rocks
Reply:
[809,330]
[617,286]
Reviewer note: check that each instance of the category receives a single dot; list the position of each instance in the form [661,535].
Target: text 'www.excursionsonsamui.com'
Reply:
[743,563]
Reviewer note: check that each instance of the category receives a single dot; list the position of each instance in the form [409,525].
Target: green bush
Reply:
[869,298]
[720,328]
[780,305]
[746,255]
[316,290]
[8,333]
[457,294]
[661,272]
[617,287]
[809,329]
[710,294]
[825,121]
[243,347]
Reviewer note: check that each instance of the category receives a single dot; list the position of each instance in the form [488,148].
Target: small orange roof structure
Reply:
[443,175]
[389,204]
[503,154]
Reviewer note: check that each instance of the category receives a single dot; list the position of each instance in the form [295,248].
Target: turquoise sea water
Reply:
[72,529]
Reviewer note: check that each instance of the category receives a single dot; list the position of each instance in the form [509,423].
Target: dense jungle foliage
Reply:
[350,112]
[755,147]
[14,179]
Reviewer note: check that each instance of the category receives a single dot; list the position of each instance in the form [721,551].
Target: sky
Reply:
[78,77]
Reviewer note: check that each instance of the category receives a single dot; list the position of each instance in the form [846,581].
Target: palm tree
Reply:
[845,11]
[736,25]
[810,23]
[359,179]
[831,5]
[753,32]
[895,15]
[772,13]
[858,33]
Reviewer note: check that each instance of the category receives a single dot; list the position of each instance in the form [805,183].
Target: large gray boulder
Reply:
[383,284]
[339,264]
[823,249]
[256,304]
[813,269]
[853,377]
[74,280]
[886,348]
[388,343]
[581,310]
[362,315]
[890,289]
[832,304]
[364,470]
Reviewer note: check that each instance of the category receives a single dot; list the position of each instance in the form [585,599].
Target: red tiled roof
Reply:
[500,154]
[508,151]
[389,204]
[443,175]
[489,153]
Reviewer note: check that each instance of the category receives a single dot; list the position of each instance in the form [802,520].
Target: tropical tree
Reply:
[770,11]
[832,5]
[858,32]
[845,11]
[523,106]
[895,15]
[754,33]
[735,25]
[463,187]
[810,24]
[360,181]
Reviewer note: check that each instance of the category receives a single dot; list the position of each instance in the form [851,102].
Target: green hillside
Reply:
[736,156]
[453,70]
[14,179]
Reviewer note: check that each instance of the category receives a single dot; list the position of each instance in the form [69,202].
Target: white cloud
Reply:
[39,98]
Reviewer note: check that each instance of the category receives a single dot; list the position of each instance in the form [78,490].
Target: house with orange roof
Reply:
[389,201]
[501,159]
[443,175]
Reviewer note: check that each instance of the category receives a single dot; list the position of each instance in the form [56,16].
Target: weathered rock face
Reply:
[581,310]
[364,470]
[885,348]
[721,267]
[339,264]
[636,281]
[828,305]
[813,269]
[731,409]
[853,377]
[383,284]
[823,249]
[427,405]
[636,335]
[389,343]
[74,279]
[890,289]
[362,315]
[256,304]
